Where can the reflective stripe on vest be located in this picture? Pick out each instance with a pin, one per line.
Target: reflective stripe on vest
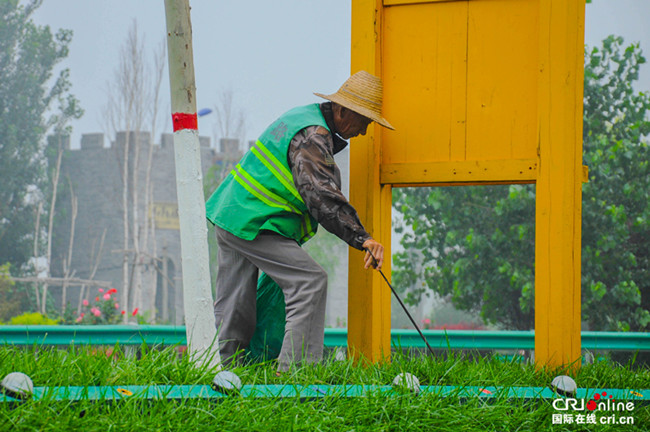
(306, 228)
(260, 192)
(277, 169)
(269, 198)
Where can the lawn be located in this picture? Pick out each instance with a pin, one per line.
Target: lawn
(376, 411)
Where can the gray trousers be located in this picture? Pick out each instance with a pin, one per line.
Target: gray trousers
(303, 282)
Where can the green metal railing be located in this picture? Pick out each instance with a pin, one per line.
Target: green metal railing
(173, 335)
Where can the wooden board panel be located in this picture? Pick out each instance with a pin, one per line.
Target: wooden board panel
(502, 78)
(424, 72)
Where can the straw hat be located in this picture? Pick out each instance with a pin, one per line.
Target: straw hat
(362, 93)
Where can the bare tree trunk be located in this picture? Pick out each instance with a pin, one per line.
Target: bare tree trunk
(93, 271)
(68, 261)
(125, 226)
(37, 235)
(50, 227)
(165, 285)
(61, 281)
(154, 249)
(135, 202)
(149, 225)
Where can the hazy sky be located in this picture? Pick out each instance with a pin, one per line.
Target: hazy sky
(271, 54)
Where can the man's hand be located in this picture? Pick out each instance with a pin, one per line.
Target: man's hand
(377, 250)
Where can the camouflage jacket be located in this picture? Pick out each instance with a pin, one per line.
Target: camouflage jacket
(318, 180)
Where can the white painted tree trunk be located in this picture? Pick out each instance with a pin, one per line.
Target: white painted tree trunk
(197, 293)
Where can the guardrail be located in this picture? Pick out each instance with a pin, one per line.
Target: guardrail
(442, 339)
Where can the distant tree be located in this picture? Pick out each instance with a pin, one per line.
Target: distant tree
(616, 201)
(132, 108)
(476, 244)
(229, 124)
(54, 153)
(472, 244)
(230, 120)
(32, 104)
(11, 299)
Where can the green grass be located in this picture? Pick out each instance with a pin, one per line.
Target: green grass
(85, 366)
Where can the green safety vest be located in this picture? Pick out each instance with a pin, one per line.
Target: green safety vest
(260, 194)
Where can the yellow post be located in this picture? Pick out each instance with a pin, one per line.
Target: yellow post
(480, 92)
(368, 299)
(559, 208)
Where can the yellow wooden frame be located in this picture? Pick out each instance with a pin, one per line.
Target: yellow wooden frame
(480, 92)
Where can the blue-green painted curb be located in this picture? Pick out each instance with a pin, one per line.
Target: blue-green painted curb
(172, 392)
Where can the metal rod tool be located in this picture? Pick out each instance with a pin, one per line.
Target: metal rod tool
(402, 304)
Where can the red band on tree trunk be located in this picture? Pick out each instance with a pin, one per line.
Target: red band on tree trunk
(184, 121)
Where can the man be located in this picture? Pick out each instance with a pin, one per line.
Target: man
(272, 202)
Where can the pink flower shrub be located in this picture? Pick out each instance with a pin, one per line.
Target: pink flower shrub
(104, 310)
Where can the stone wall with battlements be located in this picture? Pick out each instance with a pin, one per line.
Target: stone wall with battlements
(94, 174)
